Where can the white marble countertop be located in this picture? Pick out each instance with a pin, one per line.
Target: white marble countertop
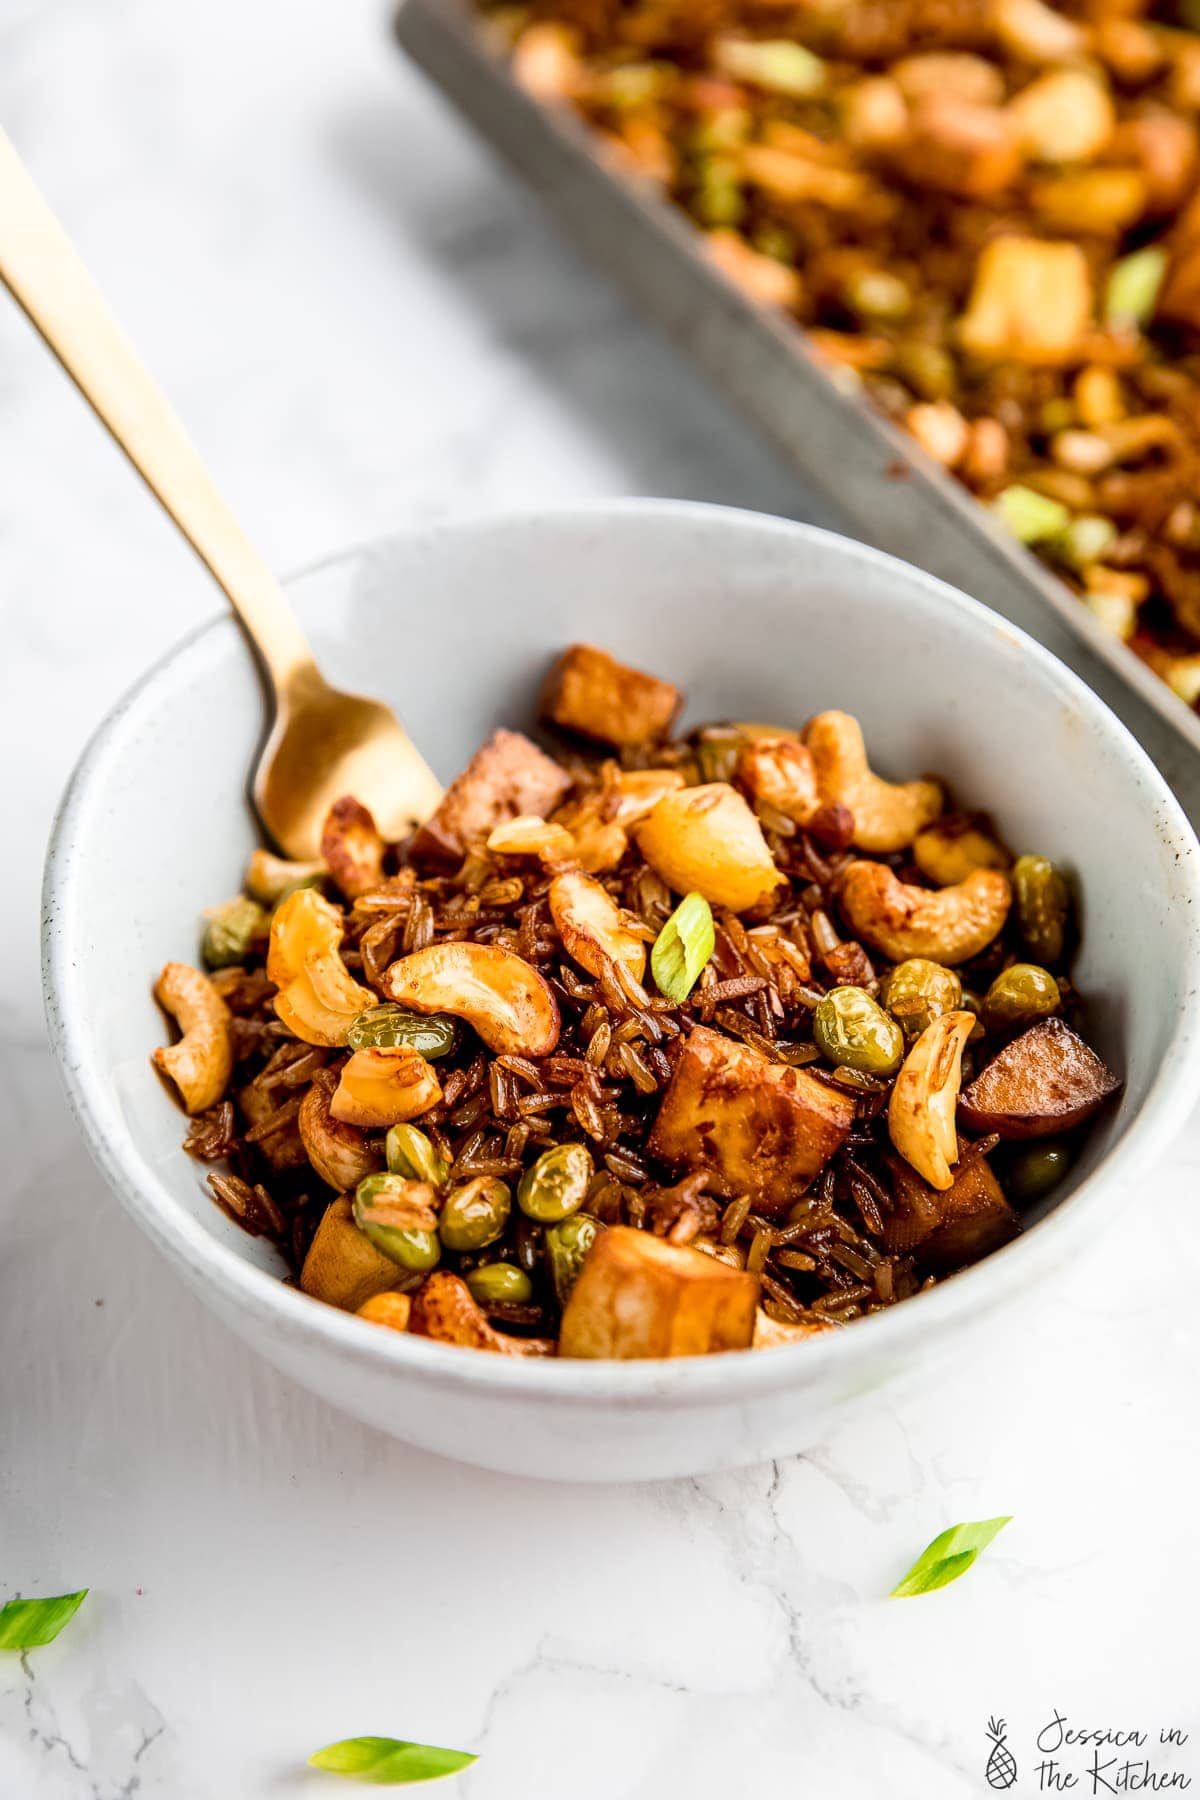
(365, 323)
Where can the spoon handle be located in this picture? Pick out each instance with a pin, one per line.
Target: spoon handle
(48, 280)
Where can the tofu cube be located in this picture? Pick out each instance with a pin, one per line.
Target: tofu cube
(507, 778)
(1030, 300)
(758, 1127)
(590, 692)
(637, 1296)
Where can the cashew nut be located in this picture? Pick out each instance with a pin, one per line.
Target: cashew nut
(200, 1064)
(385, 1087)
(887, 815)
(496, 991)
(529, 835)
(269, 877)
(781, 773)
(393, 1310)
(592, 926)
(445, 1309)
(640, 790)
(705, 840)
(338, 1152)
(599, 843)
(948, 851)
(945, 925)
(353, 848)
(318, 998)
(924, 1096)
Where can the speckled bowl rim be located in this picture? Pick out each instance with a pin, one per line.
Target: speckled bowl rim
(953, 1305)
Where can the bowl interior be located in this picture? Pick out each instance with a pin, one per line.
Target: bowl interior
(755, 618)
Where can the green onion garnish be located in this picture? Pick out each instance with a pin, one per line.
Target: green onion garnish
(949, 1556)
(389, 1762)
(24, 1624)
(682, 948)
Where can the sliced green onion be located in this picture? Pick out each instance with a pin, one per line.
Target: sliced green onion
(389, 1762)
(948, 1556)
(1133, 287)
(1087, 539)
(1030, 516)
(776, 64)
(24, 1624)
(682, 948)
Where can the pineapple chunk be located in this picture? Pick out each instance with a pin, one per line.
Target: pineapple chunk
(1030, 300)
(343, 1267)
(758, 1127)
(637, 1296)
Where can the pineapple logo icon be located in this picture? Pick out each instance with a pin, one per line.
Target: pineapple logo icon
(1001, 1764)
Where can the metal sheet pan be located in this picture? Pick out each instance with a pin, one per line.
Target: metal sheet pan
(886, 490)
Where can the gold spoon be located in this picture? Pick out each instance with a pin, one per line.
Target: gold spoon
(322, 743)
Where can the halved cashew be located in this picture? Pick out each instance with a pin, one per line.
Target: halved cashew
(338, 1152)
(496, 991)
(592, 926)
(706, 840)
(946, 925)
(924, 1096)
(318, 998)
(392, 1310)
(445, 1309)
(599, 843)
(200, 1064)
(530, 835)
(781, 773)
(385, 1087)
(352, 846)
(887, 815)
(343, 1267)
(269, 877)
(950, 850)
(640, 790)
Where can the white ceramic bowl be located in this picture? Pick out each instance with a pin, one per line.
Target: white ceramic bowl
(757, 618)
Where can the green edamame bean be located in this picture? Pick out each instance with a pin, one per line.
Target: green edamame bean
(556, 1185)
(475, 1215)
(567, 1246)
(414, 1155)
(396, 1215)
(917, 992)
(497, 1283)
(1020, 996)
(855, 1033)
(392, 1027)
(1042, 904)
(232, 930)
(1035, 1171)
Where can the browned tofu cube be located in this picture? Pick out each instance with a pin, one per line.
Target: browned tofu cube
(758, 1127)
(637, 1296)
(590, 692)
(960, 147)
(343, 1267)
(949, 1229)
(506, 778)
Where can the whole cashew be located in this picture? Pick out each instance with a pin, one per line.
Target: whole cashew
(201, 1063)
(887, 815)
(318, 998)
(946, 925)
(352, 847)
(924, 1096)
